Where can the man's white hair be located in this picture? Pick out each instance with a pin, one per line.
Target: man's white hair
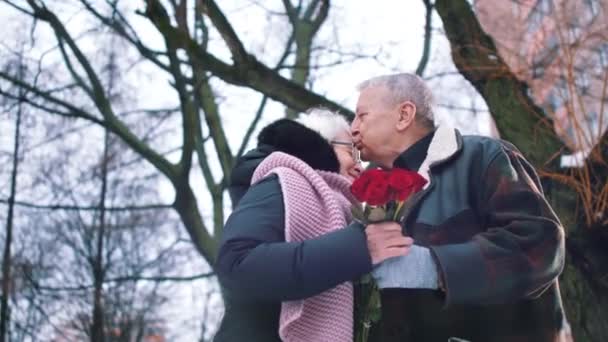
(325, 122)
(406, 87)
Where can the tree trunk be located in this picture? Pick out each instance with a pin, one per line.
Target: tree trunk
(584, 282)
(7, 257)
(97, 328)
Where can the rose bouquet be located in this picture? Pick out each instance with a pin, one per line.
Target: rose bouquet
(384, 194)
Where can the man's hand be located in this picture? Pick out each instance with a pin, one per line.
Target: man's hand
(385, 240)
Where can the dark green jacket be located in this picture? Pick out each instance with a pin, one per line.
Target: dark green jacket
(498, 245)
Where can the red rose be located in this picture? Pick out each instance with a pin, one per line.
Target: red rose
(378, 191)
(404, 183)
(372, 187)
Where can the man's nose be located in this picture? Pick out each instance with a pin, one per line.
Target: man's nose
(354, 130)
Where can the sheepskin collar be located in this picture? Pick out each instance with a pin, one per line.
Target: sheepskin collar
(445, 143)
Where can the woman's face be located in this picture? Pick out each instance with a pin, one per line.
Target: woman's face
(349, 167)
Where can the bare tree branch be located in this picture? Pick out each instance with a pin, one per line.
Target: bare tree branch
(7, 256)
(252, 74)
(304, 31)
(17, 7)
(72, 110)
(127, 279)
(46, 109)
(262, 106)
(163, 278)
(321, 16)
(79, 81)
(426, 50)
(206, 101)
(42, 13)
(98, 264)
(86, 208)
(99, 98)
(292, 14)
(121, 26)
(239, 54)
(251, 128)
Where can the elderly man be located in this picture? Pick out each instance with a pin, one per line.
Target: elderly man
(488, 247)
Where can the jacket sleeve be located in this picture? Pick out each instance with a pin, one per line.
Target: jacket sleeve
(255, 262)
(521, 250)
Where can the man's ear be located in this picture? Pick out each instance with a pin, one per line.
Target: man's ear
(407, 115)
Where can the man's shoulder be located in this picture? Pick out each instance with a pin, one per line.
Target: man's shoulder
(487, 145)
(481, 144)
(479, 139)
(480, 151)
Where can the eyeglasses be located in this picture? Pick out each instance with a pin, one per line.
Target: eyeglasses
(356, 154)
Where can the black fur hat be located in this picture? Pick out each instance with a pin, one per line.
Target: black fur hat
(301, 142)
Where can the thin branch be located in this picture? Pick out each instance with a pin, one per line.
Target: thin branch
(151, 111)
(239, 54)
(181, 15)
(19, 8)
(251, 128)
(188, 111)
(128, 279)
(292, 14)
(203, 162)
(32, 89)
(163, 278)
(199, 20)
(79, 81)
(140, 158)
(304, 30)
(463, 108)
(310, 10)
(442, 74)
(99, 97)
(86, 208)
(206, 101)
(262, 105)
(8, 241)
(120, 26)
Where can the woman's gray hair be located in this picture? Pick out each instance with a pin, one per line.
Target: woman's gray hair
(325, 122)
(406, 87)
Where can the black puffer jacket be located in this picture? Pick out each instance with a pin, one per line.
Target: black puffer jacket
(256, 267)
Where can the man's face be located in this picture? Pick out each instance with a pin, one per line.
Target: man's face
(375, 124)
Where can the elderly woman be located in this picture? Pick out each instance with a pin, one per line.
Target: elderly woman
(288, 253)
